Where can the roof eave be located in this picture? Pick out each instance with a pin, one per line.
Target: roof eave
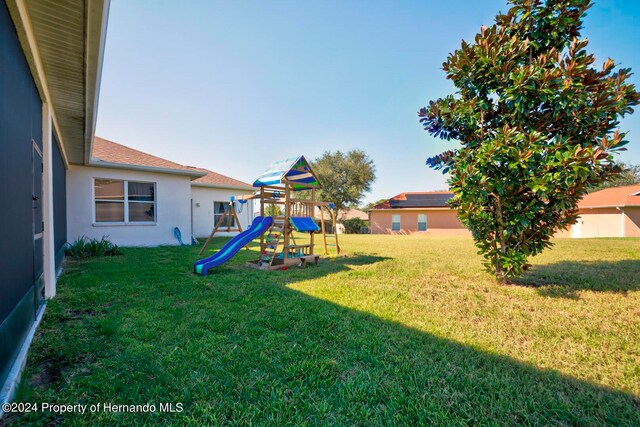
(110, 165)
(609, 206)
(431, 208)
(226, 187)
(97, 22)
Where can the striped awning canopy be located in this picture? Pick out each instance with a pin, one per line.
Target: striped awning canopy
(296, 171)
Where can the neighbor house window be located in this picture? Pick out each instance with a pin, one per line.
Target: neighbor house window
(219, 208)
(395, 222)
(422, 222)
(125, 201)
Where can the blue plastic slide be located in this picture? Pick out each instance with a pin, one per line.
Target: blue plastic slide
(258, 227)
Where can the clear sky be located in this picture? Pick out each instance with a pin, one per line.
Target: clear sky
(235, 85)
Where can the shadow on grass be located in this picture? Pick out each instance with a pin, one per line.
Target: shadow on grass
(565, 279)
(242, 347)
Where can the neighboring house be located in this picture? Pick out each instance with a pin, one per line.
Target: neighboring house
(612, 212)
(421, 212)
(132, 197)
(50, 65)
(137, 199)
(350, 214)
(210, 197)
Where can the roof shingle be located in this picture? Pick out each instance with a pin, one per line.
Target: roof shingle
(628, 195)
(214, 178)
(112, 152)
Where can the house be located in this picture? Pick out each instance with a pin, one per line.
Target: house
(132, 197)
(418, 212)
(612, 212)
(137, 199)
(210, 197)
(50, 66)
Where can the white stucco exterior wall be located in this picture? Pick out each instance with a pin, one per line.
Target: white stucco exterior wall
(202, 200)
(173, 193)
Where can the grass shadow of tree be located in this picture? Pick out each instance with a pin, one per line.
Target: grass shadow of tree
(565, 279)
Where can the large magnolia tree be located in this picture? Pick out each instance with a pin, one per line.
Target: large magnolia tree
(537, 124)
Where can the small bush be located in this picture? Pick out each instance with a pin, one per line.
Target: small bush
(355, 226)
(84, 247)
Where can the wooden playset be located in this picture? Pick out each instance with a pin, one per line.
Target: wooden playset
(279, 186)
(287, 198)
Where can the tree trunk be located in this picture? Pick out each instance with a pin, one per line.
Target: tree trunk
(500, 273)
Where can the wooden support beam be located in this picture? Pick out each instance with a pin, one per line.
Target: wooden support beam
(313, 198)
(324, 232)
(227, 214)
(310, 202)
(287, 214)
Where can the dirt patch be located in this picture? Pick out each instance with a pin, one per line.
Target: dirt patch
(48, 372)
(77, 315)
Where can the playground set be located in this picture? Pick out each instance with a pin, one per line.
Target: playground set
(279, 250)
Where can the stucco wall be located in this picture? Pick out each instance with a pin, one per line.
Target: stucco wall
(605, 222)
(439, 222)
(632, 222)
(202, 202)
(173, 193)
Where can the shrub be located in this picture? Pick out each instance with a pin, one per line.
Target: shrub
(355, 226)
(84, 247)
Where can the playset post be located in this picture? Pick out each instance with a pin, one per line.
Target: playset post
(231, 216)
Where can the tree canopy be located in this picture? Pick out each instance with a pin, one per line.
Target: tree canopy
(537, 124)
(345, 177)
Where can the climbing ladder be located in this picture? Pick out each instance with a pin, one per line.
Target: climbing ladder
(269, 247)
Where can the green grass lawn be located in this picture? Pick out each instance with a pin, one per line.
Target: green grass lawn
(407, 330)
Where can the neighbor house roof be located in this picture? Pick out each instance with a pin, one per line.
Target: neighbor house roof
(425, 199)
(215, 179)
(628, 195)
(352, 214)
(111, 154)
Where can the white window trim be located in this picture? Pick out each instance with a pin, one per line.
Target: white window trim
(426, 222)
(215, 221)
(126, 202)
(399, 222)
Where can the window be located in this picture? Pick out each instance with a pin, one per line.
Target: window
(125, 201)
(422, 222)
(219, 208)
(395, 222)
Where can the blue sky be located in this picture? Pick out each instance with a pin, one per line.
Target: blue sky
(235, 85)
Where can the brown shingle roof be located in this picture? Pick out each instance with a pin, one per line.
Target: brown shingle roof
(112, 152)
(617, 196)
(352, 214)
(214, 178)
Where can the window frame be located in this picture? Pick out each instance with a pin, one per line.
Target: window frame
(399, 222)
(426, 222)
(126, 202)
(215, 221)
